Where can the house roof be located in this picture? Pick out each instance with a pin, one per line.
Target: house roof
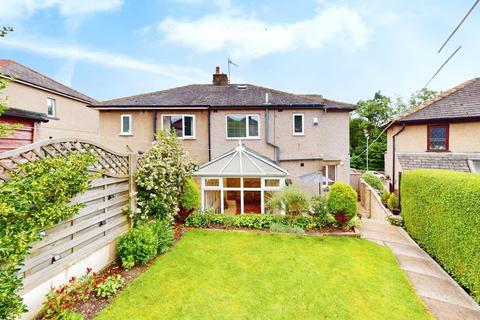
(240, 161)
(459, 103)
(24, 114)
(213, 96)
(21, 73)
(432, 160)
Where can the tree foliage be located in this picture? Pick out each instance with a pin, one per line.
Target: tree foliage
(34, 199)
(368, 120)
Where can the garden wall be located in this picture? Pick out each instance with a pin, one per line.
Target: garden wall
(85, 240)
(371, 202)
(441, 210)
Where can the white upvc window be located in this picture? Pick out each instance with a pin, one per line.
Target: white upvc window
(329, 172)
(243, 126)
(298, 124)
(51, 107)
(182, 125)
(126, 124)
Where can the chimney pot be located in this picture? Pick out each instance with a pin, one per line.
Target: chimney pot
(220, 79)
(217, 70)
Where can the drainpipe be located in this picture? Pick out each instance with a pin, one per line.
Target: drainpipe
(267, 137)
(154, 125)
(393, 158)
(209, 139)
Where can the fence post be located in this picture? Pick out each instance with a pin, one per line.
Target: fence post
(132, 170)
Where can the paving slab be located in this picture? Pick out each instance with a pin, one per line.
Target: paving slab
(440, 293)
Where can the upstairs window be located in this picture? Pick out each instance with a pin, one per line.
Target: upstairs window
(437, 138)
(126, 124)
(298, 124)
(243, 126)
(182, 125)
(51, 107)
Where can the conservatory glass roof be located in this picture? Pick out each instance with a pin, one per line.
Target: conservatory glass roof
(240, 161)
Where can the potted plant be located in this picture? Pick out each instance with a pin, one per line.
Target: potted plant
(342, 202)
(392, 203)
(384, 197)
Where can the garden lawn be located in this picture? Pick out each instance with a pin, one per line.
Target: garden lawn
(244, 275)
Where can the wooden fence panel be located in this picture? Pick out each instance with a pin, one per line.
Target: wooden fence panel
(101, 221)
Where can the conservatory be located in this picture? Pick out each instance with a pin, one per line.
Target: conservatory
(240, 181)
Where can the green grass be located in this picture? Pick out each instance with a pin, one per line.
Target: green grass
(240, 275)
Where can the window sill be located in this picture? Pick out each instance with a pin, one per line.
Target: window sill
(126, 134)
(53, 117)
(249, 138)
(299, 134)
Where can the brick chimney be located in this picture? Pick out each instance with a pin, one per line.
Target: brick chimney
(220, 79)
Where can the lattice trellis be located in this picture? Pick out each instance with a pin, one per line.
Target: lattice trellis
(108, 162)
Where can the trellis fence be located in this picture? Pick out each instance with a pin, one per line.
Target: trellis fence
(87, 239)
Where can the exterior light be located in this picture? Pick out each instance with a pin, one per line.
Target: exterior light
(102, 223)
(56, 257)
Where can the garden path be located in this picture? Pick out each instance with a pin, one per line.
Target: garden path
(442, 295)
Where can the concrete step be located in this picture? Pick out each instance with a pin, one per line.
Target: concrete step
(384, 236)
(421, 265)
(407, 250)
(447, 311)
(442, 290)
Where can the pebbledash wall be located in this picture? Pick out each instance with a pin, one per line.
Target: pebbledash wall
(87, 240)
(325, 143)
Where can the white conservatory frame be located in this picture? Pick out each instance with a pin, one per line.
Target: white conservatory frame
(240, 163)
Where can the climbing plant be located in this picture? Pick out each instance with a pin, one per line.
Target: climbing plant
(35, 198)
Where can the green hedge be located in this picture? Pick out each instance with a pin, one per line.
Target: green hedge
(441, 210)
(254, 221)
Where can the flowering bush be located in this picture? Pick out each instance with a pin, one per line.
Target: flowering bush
(160, 179)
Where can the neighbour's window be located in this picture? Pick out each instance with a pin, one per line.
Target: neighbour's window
(182, 125)
(298, 124)
(438, 138)
(272, 182)
(329, 173)
(243, 126)
(51, 107)
(126, 124)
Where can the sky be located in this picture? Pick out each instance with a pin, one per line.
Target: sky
(344, 50)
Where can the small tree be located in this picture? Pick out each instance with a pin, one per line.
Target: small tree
(164, 168)
(342, 202)
(190, 200)
(290, 199)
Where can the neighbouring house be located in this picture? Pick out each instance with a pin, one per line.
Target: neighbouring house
(442, 133)
(249, 140)
(26, 133)
(66, 108)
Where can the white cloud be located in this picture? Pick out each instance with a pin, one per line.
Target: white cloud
(75, 53)
(248, 38)
(15, 9)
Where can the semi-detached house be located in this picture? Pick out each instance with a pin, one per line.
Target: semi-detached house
(249, 140)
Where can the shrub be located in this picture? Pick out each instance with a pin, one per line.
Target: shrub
(290, 199)
(281, 228)
(254, 221)
(384, 196)
(163, 232)
(109, 286)
(137, 246)
(396, 221)
(191, 196)
(342, 202)
(392, 201)
(35, 198)
(320, 210)
(374, 182)
(441, 212)
(163, 169)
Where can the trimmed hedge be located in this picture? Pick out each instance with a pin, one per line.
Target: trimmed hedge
(254, 221)
(342, 199)
(441, 210)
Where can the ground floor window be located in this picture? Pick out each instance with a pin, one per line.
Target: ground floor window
(329, 173)
(238, 195)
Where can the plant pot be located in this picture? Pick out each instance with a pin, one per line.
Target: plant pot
(395, 212)
(341, 218)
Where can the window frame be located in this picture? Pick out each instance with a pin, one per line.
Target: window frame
(54, 108)
(447, 137)
(194, 123)
(247, 133)
(303, 124)
(122, 131)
